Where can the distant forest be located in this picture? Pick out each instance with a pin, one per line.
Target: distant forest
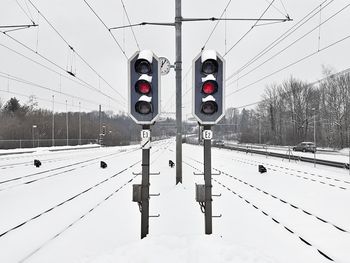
(288, 111)
(17, 120)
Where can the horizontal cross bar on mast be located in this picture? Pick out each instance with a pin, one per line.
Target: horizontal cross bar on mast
(17, 26)
(287, 18)
(143, 24)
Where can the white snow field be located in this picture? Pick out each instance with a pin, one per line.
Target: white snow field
(71, 210)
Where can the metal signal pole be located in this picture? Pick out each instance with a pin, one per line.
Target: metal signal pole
(79, 123)
(53, 120)
(178, 77)
(208, 186)
(145, 189)
(67, 121)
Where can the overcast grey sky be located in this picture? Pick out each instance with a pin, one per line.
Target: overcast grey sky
(86, 34)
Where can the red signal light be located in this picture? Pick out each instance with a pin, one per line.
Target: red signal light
(143, 87)
(209, 87)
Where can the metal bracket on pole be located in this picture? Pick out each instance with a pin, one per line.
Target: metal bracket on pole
(217, 216)
(136, 173)
(154, 194)
(219, 173)
(216, 195)
(155, 215)
(157, 173)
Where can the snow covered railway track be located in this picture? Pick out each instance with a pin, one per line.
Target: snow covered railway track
(299, 174)
(69, 168)
(30, 163)
(270, 214)
(107, 197)
(66, 201)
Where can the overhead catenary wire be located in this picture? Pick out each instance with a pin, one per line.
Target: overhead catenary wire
(245, 34)
(109, 30)
(43, 99)
(70, 78)
(290, 65)
(278, 10)
(61, 68)
(26, 14)
(216, 24)
(292, 44)
(279, 39)
(20, 80)
(168, 105)
(77, 53)
(132, 30)
(345, 71)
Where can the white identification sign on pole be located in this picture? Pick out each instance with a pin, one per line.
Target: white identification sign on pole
(207, 135)
(145, 139)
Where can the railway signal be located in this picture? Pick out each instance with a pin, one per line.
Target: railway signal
(208, 108)
(144, 108)
(144, 87)
(208, 87)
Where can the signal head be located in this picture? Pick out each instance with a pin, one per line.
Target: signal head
(144, 106)
(209, 62)
(209, 106)
(143, 85)
(210, 85)
(144, 61)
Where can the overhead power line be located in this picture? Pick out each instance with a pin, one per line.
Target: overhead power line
(212, 31)
(109, 31)
(132, 30)
(278, 10)
(282, 37)
(27, 82)
(77, 53)
(45, 100)
(61, 68)
(25, 13)
(290, 65)
(345, 71)
(290, 45)
(46, 67)
(234, 45)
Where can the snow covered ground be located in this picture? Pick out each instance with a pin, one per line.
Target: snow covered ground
(71, 210)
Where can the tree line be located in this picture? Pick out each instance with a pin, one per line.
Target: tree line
(295, 111)
(21, 122)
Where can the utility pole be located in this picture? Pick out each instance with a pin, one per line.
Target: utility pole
(79, 123)
(178, 77)
(53, 120)
(99, 125)
(67, 120)
(259, 129)
(33, 134)
(314, 136)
